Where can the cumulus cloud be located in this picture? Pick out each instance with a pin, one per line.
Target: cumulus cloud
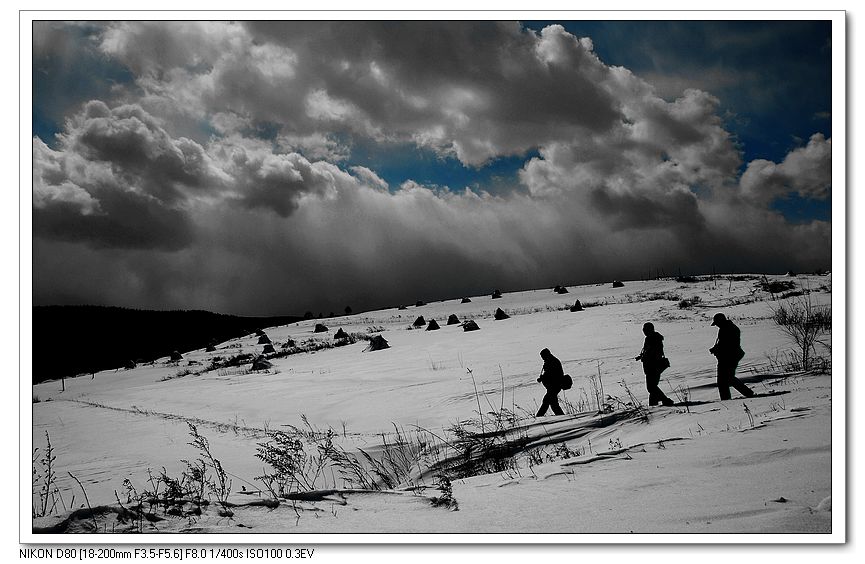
(806, 171)
(514, 90)
(222, 177)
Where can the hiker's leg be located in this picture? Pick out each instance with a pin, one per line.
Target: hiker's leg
(656, 395)
(738, 384)
(544, 405)
(723, 381)
(651, 385)
(741, 387)
(554, 403)
(653, 380)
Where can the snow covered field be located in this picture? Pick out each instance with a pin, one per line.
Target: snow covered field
(761, 465)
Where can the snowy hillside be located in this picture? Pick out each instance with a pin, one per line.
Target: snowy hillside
(611, 464)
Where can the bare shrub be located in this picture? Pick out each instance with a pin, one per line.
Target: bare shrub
(804, 323)
(775, 286)
(301, 459)
(220, 484)
(293, 470)
(631, 407)
(46, 495)
(689, 302)
(179, 374)
(446, 499)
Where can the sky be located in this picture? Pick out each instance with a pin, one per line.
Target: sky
(273, 168)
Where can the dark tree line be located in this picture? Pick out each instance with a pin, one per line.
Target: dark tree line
(70, 340)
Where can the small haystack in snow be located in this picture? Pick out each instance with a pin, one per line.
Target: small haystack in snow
(288, 344)
(320, 328)
(432, 325)
(341, 334)
(470, 326)
(497, 294)
(453, 319)
(466, 301)
(577, 306)
(402, 308)
(129, 365)
(210, 348)
(377, 343)
(501, 314)
(176, 356)
(419, 322)
(261, 363)
(618, 284)
(561, 290)
(419, 304)
(268, 348)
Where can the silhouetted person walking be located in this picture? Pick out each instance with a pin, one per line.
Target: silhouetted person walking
(728, 351)
(551, 377)
(652, 356)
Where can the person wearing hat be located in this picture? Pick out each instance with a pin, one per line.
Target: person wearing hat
(551, 377)
(728, 351)
(652, 356)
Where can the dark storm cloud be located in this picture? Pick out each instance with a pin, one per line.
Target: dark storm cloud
(272, 181)
(221, 178)
(139, 149)
(78, 200)
(677, 211)
(125, 221)
(118, 179)
(474, 89)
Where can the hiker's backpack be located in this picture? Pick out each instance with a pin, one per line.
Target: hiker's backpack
(567, 382)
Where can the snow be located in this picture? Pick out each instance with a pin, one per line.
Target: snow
(705, 467)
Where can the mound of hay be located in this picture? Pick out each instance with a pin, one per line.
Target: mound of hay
(577, 306)
(419, 322)
(341, 334)
(263, 340)
(470, 326)
(288, 344)
(210, 348)
(402, 307)
(501, 315)
(320, 328)
(377, 343)
(419, 303)
(618, 284)
(176, 356)
(497, 294)
(432, 325)
(261, 363)
(129, 365)
(453, 320)
(466, 301)
(268, 348)
(561, 290)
